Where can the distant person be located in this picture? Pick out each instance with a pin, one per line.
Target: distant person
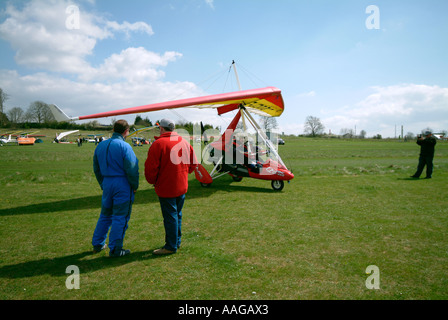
(116, 169)
(170, 159)
(427, 145)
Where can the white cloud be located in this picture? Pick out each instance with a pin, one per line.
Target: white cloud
(404, 101)
(414, 106)
(82, 98)
(126, 27)
(132, 64)
(128, 78)
(42, 40)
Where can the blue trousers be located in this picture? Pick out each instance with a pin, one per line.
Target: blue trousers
(172, 221)
(116, 219)
(116, 207)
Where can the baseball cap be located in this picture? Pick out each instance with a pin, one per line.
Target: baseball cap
(167, 123)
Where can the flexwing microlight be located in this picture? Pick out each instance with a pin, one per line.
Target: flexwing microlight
(265, 101)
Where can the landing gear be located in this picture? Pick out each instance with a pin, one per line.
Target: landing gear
(277, 185)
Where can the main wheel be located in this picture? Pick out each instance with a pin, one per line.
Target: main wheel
(237, 179)
(205, 185)
(277, 185)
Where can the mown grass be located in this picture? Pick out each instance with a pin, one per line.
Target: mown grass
(350, 205)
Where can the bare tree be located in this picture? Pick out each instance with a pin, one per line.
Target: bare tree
(313, 126)
(268, 123)
(3, 98)
(15, 115)
(39, 112)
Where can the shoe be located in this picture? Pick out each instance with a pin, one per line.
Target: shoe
(162, 251)
(119, 252)
(99, 248)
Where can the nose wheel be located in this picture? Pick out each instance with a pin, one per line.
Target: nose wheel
(277, 185)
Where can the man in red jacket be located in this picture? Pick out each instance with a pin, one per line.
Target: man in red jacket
(170, 159)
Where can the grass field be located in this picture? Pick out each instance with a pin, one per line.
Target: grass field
(350, 205)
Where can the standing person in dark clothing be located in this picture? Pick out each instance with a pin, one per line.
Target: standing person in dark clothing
(427, 145)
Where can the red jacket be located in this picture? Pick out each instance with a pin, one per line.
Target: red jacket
(170, 159)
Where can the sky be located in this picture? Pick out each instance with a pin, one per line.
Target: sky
(373, 65)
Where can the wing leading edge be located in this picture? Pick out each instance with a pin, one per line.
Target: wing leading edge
(266, 101)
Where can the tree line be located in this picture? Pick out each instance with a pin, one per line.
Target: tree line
(38, 116)
(314, 127)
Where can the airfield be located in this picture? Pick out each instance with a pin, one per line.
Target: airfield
(351, 205)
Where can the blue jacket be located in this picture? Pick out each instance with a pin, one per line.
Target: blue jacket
(115, 158)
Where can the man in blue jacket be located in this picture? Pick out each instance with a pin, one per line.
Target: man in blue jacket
(116, 169)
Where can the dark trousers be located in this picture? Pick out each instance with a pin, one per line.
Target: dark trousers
(422, 161)
(172, 221)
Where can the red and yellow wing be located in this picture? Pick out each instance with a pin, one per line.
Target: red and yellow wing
(266, 101)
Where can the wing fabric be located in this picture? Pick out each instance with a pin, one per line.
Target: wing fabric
(225, 140)
(64, 134)
(140, 131)
(266, 101)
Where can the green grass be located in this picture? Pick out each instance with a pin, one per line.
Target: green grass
(350, 205)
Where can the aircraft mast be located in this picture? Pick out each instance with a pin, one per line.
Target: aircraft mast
(239, 86)
(236, 74)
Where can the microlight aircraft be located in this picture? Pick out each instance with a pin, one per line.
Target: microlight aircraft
(139, 141)
(264, 101)
(4, 140)
(26, 139)
(139, 131)
(59, 137)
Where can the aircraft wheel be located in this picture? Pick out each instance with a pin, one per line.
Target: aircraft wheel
(205, 185)
(277, 185)
(237, 179)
